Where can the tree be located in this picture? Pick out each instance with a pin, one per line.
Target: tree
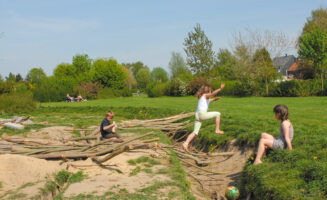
(109, 73)
(135, 67)
(265, 69)
(198, 48)
(19, 78)
(11, 77)
(318, 19)
(82, 62)
(313, 48)
(159, 75)
(178, 66)
(130, 79)
(143, 77)
(35, 76)
(224, 66)
(65, 70)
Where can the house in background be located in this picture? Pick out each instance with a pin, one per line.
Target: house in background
(283, 63)
(300, 70)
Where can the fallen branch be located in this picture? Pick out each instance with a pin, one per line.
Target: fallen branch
(121, 150)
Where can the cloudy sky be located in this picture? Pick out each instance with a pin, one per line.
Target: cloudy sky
(44, 33)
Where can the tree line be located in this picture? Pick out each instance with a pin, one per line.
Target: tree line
(247, 68)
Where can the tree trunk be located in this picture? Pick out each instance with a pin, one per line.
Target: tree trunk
(267, 89)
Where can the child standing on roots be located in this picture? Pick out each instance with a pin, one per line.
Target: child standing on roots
(204, 94)
(286, 134)
(108, 128)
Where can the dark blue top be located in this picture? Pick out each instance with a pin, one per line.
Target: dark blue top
(104, 123)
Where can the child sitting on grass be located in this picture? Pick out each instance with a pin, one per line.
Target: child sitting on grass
(108, 128)
(286, 133)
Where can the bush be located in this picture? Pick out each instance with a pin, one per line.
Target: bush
(123, 93)
(54, 89)
(88, 90)
(14, 102)
(196, 83)
(106, 93)
(156, 89)
(177, 88)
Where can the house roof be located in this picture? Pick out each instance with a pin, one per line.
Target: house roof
(295, 65)
(283, 63)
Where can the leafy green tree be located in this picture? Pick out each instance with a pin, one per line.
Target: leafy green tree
(159, 75)
(65, 70)
(178, 66)
(313, 48)
(265, 69)
(135, 67)
(109, 73)
(224, 65)
(82, 62)
(143, 77)
(11, 77)
(35, 76)
(198, 48)
(318, 19)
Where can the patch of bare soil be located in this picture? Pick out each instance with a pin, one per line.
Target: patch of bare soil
(214, 185)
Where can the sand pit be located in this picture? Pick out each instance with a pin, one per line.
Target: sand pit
(16, 170)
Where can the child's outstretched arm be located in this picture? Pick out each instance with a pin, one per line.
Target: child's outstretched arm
(214, 93)
(286, 130)
(215, 99)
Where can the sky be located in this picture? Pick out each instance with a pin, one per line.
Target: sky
(45, 33)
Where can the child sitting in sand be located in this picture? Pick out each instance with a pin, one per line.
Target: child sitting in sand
(108, 128)
(286, 134)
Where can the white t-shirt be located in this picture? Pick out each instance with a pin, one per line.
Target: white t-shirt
(203, 104)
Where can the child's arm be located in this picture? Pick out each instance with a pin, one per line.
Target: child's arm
(215, 99)
(109, 126)
(214, 93)
(286, 130)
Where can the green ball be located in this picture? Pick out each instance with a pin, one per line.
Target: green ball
(232, 193)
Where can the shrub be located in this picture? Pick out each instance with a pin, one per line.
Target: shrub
(290, 88)
(123, 93)
(196, 83)
(54, 89)
(156, 89)
(89, 90)
(176, 87)
(106, 93)
(17, 102)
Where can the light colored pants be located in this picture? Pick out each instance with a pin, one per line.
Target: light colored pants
(201, 116)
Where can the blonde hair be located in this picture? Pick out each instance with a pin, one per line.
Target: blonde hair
(110, 114)
(203, 89)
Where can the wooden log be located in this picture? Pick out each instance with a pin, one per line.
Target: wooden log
(83, 138)
(122, 144)
(191, 175)
(23, 140)
(121, 150)
(67, 156)
(151, 140)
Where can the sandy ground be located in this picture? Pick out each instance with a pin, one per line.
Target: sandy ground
(21, 174)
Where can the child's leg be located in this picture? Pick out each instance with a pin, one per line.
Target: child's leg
(210, 115)
(267, 136)
(261, 149)
(197, 126)
(218, 131)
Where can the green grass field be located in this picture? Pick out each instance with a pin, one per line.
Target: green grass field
(297, 174)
